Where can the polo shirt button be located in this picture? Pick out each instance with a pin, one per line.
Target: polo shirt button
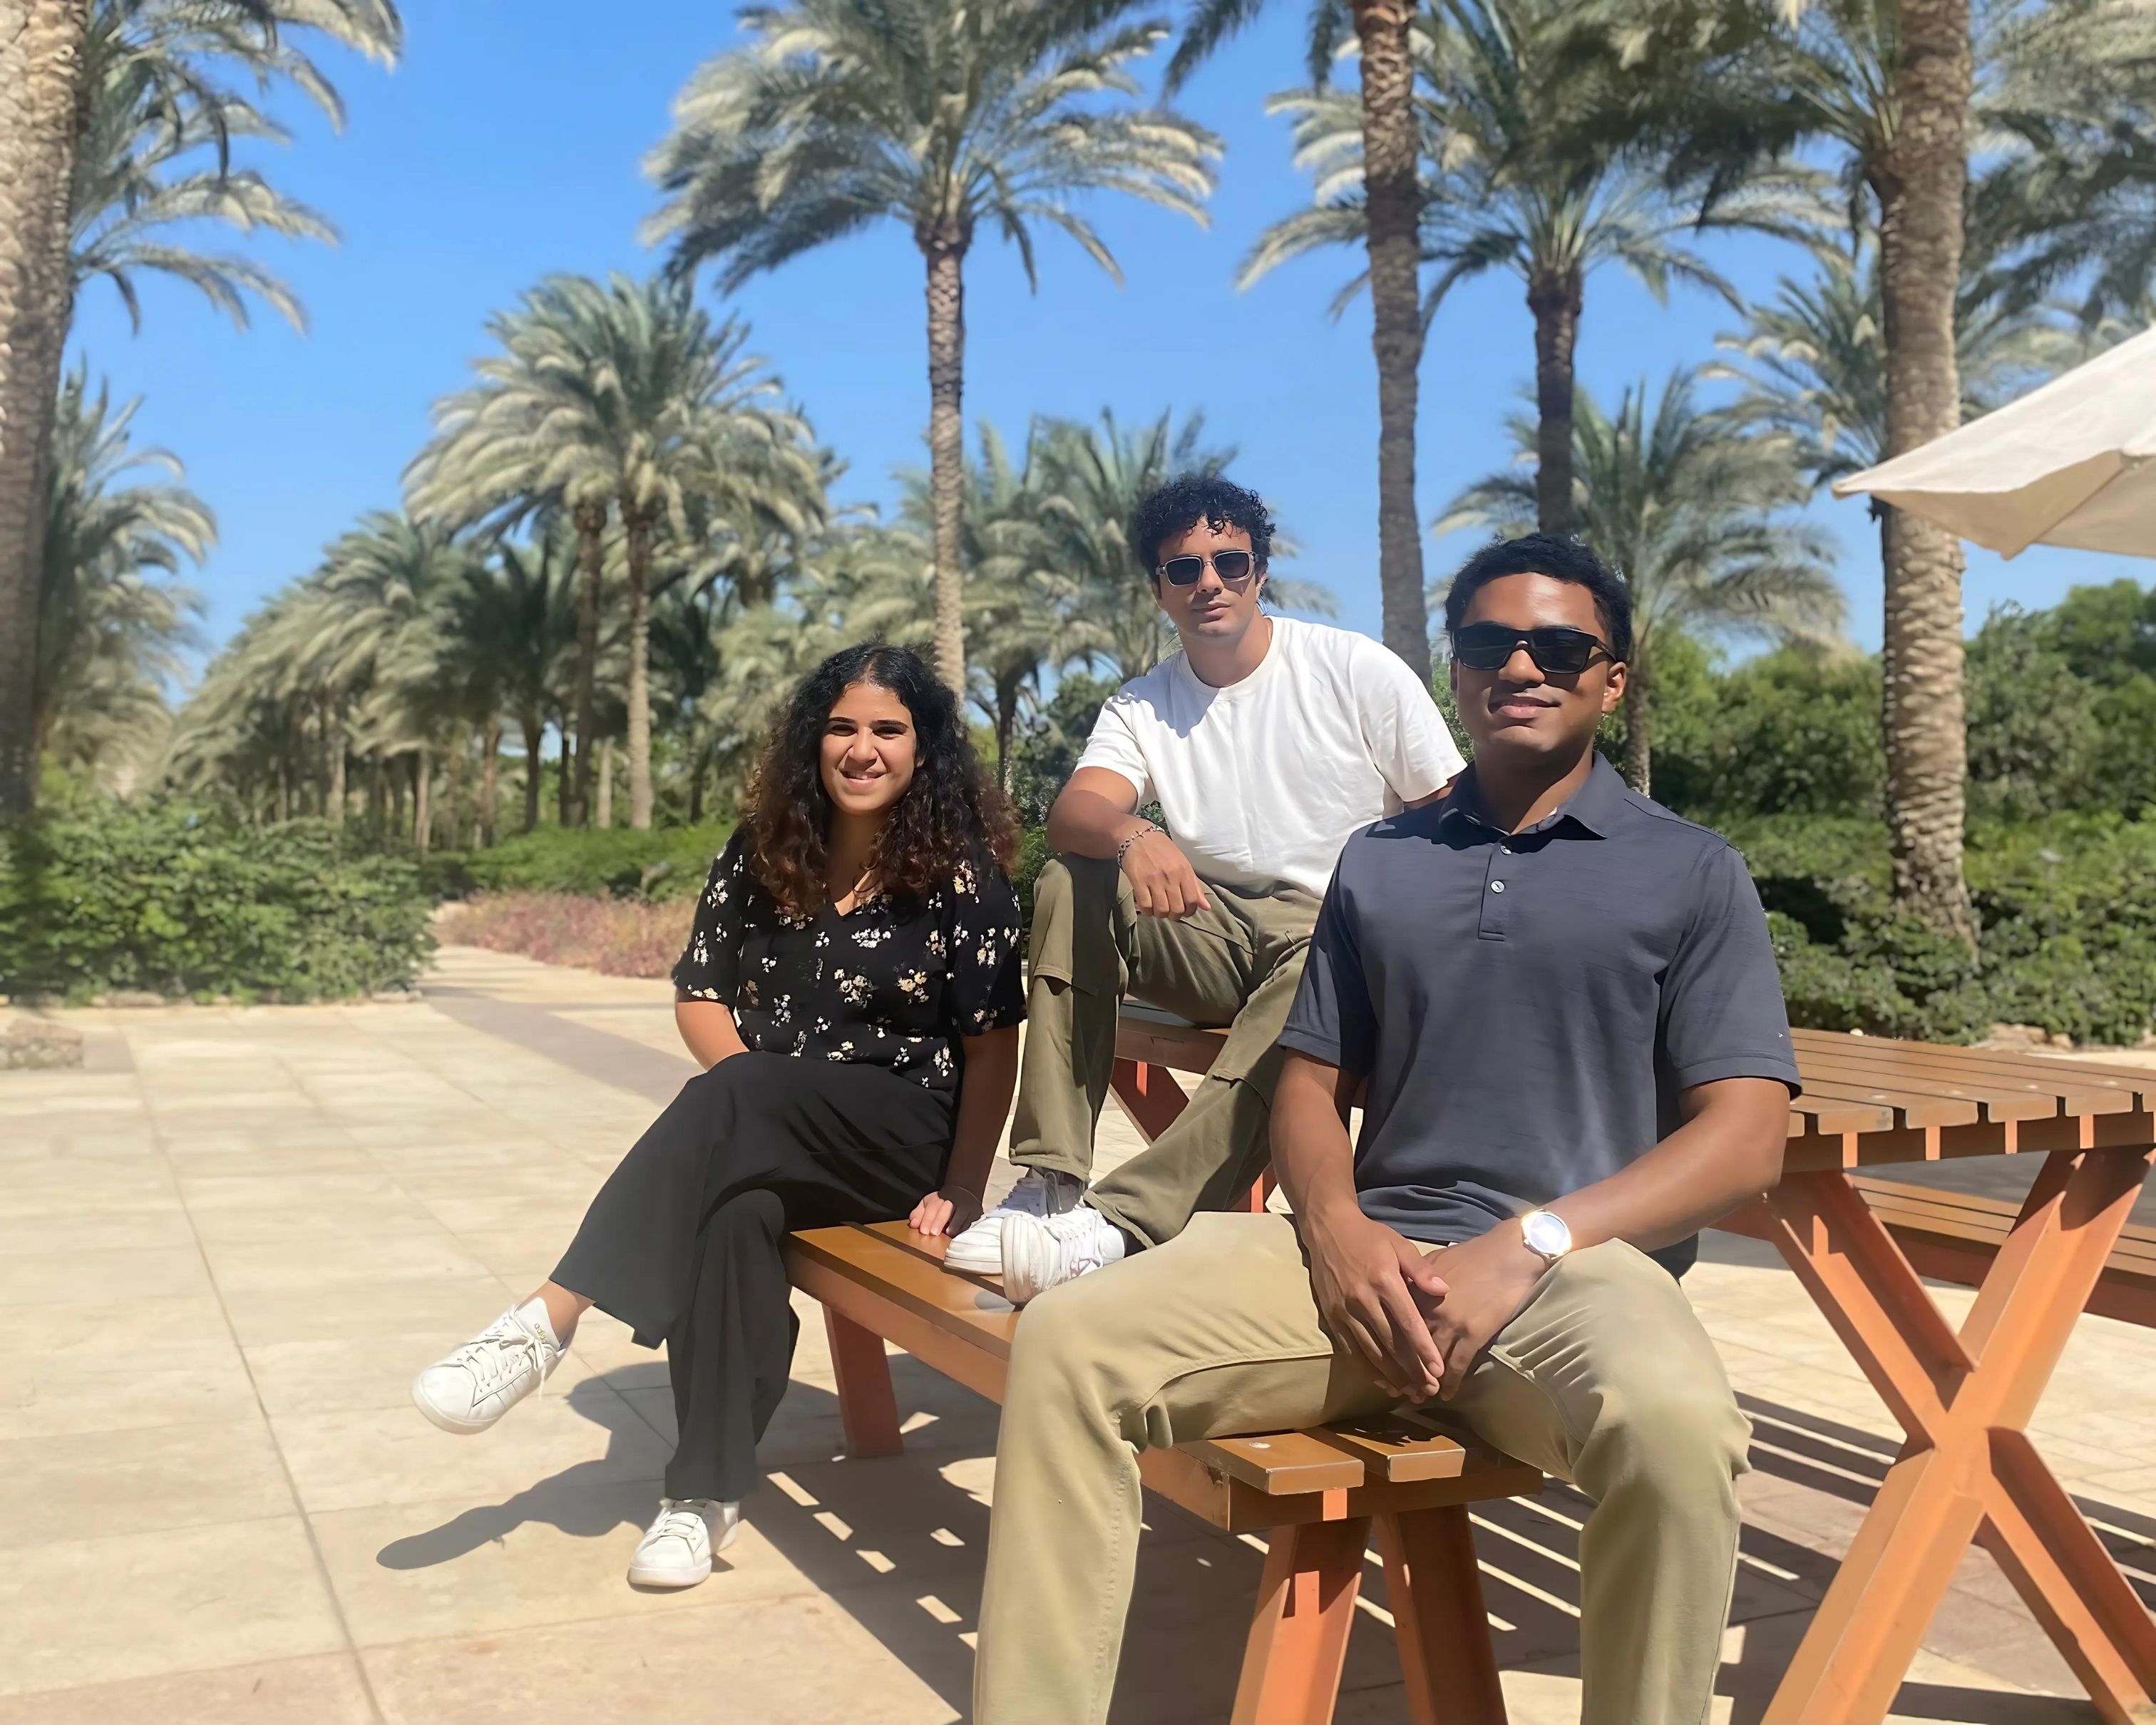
(1497, 887)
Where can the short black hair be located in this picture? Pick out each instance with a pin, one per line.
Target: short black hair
(1190, 498)
(1560, 557)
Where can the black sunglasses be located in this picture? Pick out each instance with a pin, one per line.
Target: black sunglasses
(1556, 649)
(1228, 565)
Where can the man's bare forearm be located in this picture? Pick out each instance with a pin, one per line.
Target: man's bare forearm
(1728, 1151)
(1312, 1155)
(1084, 823)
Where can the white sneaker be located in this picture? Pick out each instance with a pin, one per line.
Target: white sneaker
(1043, 1252)
(1040, 1191)
(676, 1549)
(467, 1391)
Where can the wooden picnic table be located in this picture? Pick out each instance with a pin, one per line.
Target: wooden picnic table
(1964, 1396)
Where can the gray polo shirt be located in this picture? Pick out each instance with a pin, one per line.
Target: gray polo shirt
(1528, 1006)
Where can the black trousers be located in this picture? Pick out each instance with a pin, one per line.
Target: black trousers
(684, 1242)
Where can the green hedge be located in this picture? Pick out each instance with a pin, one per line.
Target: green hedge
(619, 862)
(97, 896)
(2068, 909)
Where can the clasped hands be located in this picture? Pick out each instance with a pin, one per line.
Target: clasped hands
(1417, 1320)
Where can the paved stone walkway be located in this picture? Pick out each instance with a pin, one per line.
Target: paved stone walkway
(227, 1243)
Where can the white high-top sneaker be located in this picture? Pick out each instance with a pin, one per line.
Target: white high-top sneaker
(676, 1549)
(1040, 1191)
(1043, 1252)
(467, 1391)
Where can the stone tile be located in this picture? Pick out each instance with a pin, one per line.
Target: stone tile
(364, 1222)
(46, 1278)
(800, 1659)
(307, 1264)
(118, 1383)
(209, 1194)
(555, 1553)
(452, 1308)
(326, 1688)
(163, 1227)
(359, 1457)
(144, 1604)
(90, 1484)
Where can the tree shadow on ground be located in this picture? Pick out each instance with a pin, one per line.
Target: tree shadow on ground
(898, 1543)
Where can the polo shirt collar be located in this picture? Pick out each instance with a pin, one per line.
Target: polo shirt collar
(1595, 807)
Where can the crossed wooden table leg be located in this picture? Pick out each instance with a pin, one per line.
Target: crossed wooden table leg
(1968, 1470)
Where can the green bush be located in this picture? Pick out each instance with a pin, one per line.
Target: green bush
(620, 862)
(2068, 910)
(97, 896)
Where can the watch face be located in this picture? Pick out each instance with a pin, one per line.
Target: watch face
(1547, 1234)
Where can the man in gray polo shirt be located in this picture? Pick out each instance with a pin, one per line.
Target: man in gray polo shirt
(1563, 1004)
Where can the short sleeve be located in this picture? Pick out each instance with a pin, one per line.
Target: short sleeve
(1406, 735)
(709, 968)
(987, 991)
(1332, 1020)
(1722, 1010)
(1114, 745)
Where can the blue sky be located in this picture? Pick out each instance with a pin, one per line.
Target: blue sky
(509, 143)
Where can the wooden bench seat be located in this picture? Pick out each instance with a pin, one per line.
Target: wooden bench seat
(1318, 1494)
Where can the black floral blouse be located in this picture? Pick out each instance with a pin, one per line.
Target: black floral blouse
(892, 983)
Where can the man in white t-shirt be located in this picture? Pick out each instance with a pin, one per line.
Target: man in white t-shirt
(1266, 741)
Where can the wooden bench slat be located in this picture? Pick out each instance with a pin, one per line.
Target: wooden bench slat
(1281, 1463)
(2062, 1075)
(1393, 1451)
(1997, 1102)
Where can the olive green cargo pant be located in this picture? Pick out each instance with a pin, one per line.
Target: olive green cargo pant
(1605, 1378)
(1234, 963)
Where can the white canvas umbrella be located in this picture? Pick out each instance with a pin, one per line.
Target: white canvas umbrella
(2072, 464)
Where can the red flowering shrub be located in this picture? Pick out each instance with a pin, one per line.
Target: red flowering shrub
(619, 937)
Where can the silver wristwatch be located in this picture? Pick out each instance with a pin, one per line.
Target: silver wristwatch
(1545, 1235)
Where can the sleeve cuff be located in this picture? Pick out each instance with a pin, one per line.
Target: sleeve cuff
(1754, 1066)
(1319, 1047)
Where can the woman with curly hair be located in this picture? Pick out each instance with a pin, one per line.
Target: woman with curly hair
(851, 986)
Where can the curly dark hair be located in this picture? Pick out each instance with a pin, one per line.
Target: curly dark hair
(951, 815)
(1190, 498)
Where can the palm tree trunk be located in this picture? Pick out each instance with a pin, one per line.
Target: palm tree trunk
(1555, 301)
(565, 796)
(1920, 187)
(602, 789)
(422, 803)
(1006, 723)
(333, 730)
(699, 771)
(377, 792)
(453, 775)
(1639, 739)
(41, 51)
(637, 531)
(534, 736)
(490, 777)
(397, 777)
(946, 252)
(1393, 202)
(591, 528)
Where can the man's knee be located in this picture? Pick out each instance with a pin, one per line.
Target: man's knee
(1680, 1437)
(1074, 1347)
(1074, 904)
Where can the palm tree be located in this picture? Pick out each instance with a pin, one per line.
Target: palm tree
(108, 635)
(1096, 476)
(943, 115)
(1813, 360)
(69, 202)
(524, 612)
(1897, 89)
(619, 396)
(1517, 176)
(1392, 197)
(1692, 512)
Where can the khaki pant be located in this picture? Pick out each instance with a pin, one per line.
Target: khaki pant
(1235, 964)
(1605, 1378)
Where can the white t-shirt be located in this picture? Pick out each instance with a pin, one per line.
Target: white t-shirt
(1264, 780)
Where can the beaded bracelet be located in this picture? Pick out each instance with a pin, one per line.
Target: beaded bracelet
(1123, 849)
